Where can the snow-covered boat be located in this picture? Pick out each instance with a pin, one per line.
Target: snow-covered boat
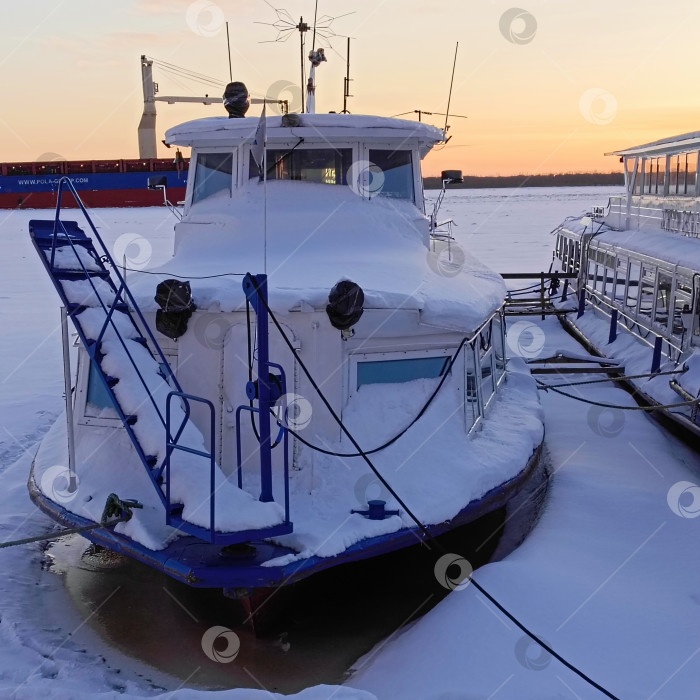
(330, 384)
(637, 262)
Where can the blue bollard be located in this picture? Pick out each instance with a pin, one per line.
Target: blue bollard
(613, 327)
(656, 357)
(376, 510)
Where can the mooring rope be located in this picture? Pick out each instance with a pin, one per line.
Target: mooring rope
(113, 507)
(410, 513)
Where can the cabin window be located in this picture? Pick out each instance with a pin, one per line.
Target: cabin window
(655, 178)
(639, 182)
(326, 166)
(99, 403)
(397, 167)
(401, 370)
(213, 174)
(675, 176)
(691, 172)
(683, 174)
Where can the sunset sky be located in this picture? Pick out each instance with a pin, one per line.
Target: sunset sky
(547, 85)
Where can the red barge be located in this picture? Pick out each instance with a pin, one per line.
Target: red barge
(100, 183)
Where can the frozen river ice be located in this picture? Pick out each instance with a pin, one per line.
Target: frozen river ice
(608, 577)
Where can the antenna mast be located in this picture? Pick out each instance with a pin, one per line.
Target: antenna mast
(228, 44)
(346, 82)
(449, 97)
(285, 25)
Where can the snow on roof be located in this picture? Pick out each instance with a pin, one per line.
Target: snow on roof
(222, 131)
(316, 235)
(674, 248)
(671, 144)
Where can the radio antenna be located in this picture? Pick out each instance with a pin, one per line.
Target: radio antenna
(285, 26)
(346, 82)
(449, 97)
(228, 44)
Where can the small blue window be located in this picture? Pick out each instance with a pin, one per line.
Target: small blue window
(395, 371)
(98, 397)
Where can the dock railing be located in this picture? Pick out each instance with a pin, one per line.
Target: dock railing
(537, 298)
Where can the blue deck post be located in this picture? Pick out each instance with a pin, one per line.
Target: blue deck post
(581, 302)
(255, 288)
(565, 291)
(613, 327)
(656, 357)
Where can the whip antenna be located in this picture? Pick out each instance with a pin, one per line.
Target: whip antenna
(228, 44)
(449, 97)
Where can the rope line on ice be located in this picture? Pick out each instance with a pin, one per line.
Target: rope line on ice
(413, 517)
(114, 506)
(655, 407)
(621, 378)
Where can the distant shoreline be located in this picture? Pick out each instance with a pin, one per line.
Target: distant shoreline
(550, 180)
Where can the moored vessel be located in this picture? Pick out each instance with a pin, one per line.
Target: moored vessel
(637, 262)
(316, 377)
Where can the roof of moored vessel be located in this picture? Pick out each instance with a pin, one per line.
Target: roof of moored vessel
(672, 144)
(222, 131)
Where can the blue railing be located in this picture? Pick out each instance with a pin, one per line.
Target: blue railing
(58, 233)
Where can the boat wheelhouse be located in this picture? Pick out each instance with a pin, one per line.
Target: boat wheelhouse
(638, 265)
(323, 370)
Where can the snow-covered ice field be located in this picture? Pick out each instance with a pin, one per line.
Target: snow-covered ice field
(609, 577)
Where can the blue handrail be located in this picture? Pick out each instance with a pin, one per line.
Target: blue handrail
(124, 302)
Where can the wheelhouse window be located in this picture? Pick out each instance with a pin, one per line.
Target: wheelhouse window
(213, 174)
(326, 166)
(402, 370)
(397, 167)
